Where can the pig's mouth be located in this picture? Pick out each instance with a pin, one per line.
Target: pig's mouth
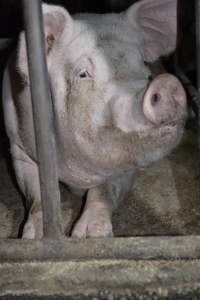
(177, 118)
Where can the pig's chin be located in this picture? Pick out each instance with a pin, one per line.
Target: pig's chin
(173, 133)
(158, 143)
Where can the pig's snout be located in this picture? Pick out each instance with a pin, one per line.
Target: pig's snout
(164, 101)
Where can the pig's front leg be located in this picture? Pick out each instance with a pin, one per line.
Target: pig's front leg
(96, 217)
(28, 179)
(95, 220)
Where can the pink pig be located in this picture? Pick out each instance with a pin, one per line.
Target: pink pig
(110, 119)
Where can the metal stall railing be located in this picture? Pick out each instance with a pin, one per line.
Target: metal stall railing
(153, 251)
(43, 118)
(197, 9)
(192, 91)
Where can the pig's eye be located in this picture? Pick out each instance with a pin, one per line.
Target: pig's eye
(84, 75)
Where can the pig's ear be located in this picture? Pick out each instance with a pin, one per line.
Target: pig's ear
(57, 22)
(156, 20)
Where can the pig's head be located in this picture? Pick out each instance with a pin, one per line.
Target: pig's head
(107, 109)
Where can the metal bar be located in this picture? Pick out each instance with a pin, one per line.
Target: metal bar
(189, 87)
(42, 114)
(136, 248)
(198, 59)
(198, 42)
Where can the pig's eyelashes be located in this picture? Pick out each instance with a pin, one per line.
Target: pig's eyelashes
(85, 75)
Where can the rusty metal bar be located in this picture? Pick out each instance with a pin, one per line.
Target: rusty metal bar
(136, 248)
(43, 118)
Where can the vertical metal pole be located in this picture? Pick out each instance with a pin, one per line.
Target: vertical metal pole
(197, 9)
(43, 118)
(198, 42)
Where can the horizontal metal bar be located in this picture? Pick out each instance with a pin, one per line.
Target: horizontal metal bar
(43, 118)
(137, 248)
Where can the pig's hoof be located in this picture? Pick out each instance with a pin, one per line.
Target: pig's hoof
(33, 228)
(93, 224)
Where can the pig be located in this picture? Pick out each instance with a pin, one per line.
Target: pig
(111, 118)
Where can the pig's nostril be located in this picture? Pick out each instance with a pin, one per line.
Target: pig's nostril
(155, 99)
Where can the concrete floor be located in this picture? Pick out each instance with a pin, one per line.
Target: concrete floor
(165, 200)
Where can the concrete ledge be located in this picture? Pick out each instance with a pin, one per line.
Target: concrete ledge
(104, 279)
(107, 268)
(135, 248)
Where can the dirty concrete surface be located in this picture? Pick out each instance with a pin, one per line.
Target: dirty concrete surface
(165, 199)
(58, 280)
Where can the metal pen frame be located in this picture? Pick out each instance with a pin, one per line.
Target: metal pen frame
(55, 245)
(57, 267)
